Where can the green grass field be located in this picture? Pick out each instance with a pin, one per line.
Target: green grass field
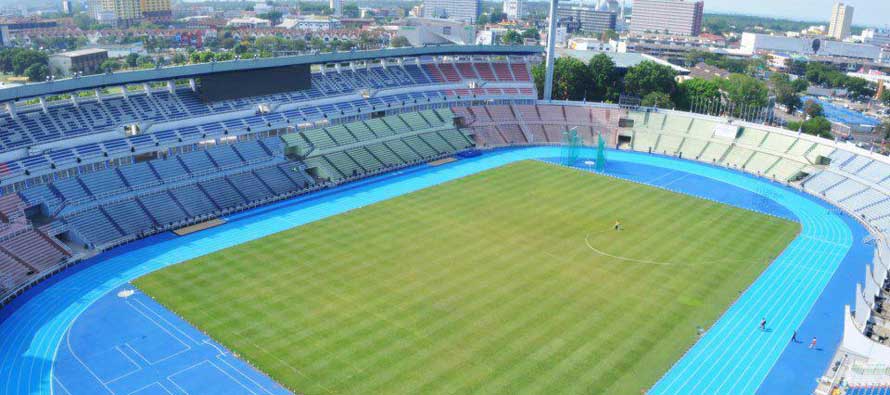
(510, 281)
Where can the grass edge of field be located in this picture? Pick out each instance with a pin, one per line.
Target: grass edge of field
(794, 235)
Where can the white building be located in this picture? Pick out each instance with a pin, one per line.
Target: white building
(753, 43)
(879, 37)
(591, 44)
(426, 31)
(841, 20)
(336, 6)
(677, 17)
(249, 22)
(515, 9)
(466, 11)
(311, 22)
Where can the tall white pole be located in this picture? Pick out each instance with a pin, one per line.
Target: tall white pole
(551, 52)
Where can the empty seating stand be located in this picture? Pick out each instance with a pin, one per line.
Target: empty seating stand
(35, 250)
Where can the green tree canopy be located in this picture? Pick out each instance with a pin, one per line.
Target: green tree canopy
(696, 90)
(786, 92)
(657, 99)
(511, 37)
(37, 72)
(818, 126)
(744, 91)
(813, 109)
(351, 11)
(399, 41)
(110, 65)
(648, 77)
(571, 80)
(603, 78)
(23, 59)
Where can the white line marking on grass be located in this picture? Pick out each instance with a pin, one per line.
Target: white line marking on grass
(291, 367)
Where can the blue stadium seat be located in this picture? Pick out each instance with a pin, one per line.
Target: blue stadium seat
(222, 193)
(250, 186)
(163, 208)
(194, 200)
(129, 216)
(138, 174)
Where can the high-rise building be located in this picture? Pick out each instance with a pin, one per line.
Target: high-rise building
(667, 17)
(586, 19)
(156, 10)
(460, 10)
(515, 9)
(336, 6)
(841, 20)
(66, 7)
(119, 13)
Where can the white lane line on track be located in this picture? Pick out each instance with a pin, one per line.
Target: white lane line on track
(40, 331)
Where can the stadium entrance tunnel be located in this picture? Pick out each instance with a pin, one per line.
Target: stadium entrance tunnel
(36, 326)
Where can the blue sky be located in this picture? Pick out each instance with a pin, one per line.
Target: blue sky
(867, 12)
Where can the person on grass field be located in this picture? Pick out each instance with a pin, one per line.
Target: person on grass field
(617, 225)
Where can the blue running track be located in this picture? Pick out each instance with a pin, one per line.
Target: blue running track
(732, 358)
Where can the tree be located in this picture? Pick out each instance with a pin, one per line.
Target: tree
(497, 16)
(82, 20)
(272, 16)
(603, 78)
(179, 58)
(885, 97)
(648, 77)
(813, 109)
(657, 99)
(885, 127)
(110, 65)
(696, 90)
(399, 41)
(818, 126)
(571, 79)
(744, 92)
(37, 72)
(609, 34)
(785, 91)
(511, 37)
(25, 58)
(132, 59)
(317, 43)
(351, 11)
(531, 33)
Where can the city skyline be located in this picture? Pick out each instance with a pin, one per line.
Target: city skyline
(868, 12)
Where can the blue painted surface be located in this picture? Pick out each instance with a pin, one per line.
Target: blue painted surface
(799, 366)
(730, 358)
(844, 115)
(126, 345)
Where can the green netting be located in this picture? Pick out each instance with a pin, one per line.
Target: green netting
(601, 154)
(571, 146)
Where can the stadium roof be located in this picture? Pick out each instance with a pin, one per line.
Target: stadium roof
(197, 70)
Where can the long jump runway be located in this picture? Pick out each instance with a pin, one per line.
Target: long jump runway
(732, 357)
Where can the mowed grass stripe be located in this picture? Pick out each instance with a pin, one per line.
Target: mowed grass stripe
(481, 285)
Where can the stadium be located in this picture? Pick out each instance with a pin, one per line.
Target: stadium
(415, 220)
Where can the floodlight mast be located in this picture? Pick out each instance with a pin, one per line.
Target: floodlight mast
(551, 52)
